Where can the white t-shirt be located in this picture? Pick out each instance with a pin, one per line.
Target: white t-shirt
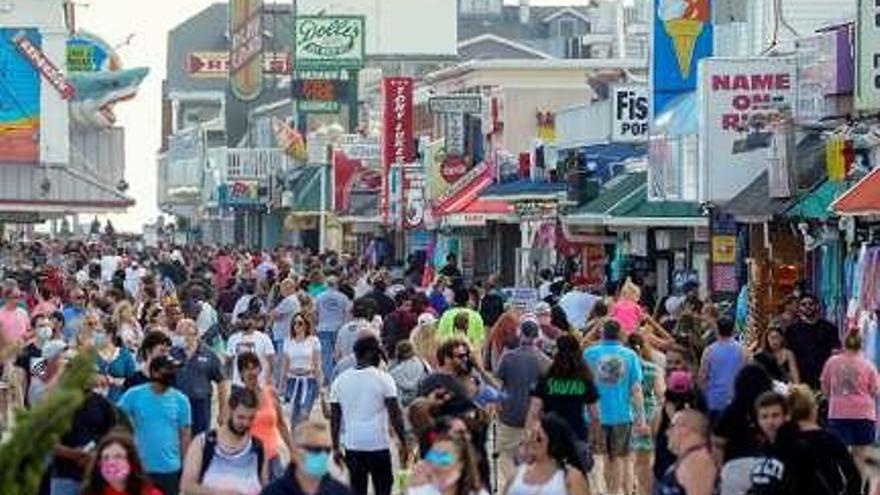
(361, 394)
(109, 264)
(257, 342)
(301, 355)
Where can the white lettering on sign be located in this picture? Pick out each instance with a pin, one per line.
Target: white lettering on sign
(629, 114)
(247, 42)
(47, 69)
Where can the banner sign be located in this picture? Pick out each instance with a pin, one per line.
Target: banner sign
(350, 178)
(88, 53)
(682, 36)
(19, 123)
(398, 130)
(521, 298)
(629, 114)
(329, 42)
(742, 101)
(867, 89)
(50, 72)
(414, 203)
(359, 147)
(209, 65)
(246, 48)
(456, 104)
(825, 67)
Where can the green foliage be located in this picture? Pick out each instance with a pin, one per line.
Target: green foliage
(38, 430)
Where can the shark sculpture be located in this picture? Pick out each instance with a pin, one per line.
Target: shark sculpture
(98, 92)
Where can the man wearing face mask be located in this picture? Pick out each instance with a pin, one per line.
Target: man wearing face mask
(34, 349)
(362, 400)
(200, 367)
(228, 460)
(309, 468)
(161, 418)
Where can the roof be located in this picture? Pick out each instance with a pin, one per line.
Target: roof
(817, 203)
(493, 38)
(525, 189)
(508, 24)
(862, 199)
(624, 202)
(754, 203)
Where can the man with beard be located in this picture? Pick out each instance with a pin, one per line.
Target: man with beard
(812, 339)
(228, 460)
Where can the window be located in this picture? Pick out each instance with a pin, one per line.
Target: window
(567, 28)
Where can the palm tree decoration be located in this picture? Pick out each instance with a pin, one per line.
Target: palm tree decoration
(38, 430)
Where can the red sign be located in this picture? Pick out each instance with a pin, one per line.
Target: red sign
(47, 69)
(216, 64)
(453, 168)
(350, 175)
(398, 131)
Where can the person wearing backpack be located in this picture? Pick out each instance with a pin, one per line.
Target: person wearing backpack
(228, 460)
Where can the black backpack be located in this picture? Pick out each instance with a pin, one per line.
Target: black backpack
(210, 448)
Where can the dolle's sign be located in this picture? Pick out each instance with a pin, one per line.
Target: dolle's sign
(324, 42)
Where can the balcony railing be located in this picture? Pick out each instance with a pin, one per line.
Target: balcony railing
(248, 163)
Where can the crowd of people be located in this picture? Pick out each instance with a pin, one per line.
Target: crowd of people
(283, 372)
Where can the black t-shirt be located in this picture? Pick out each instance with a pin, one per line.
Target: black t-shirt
(459, 401)
(24, 360)
(94, 418)
(134, 380)
(812, 344)
(831, 472)
(740, 433)
(567, 397)
(287, 485)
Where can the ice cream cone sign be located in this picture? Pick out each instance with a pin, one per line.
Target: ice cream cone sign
(684, 21)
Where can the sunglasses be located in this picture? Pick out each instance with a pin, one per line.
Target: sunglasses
(299, 322)
(440, 458)
(316, 449)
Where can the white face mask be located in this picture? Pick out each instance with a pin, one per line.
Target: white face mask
(44, 333)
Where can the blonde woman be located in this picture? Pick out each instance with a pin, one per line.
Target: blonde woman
(127, 326)
(424, 339)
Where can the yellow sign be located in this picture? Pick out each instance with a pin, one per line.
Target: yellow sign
(724, 249)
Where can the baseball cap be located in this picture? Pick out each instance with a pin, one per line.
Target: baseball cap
(163, 362)
(680, 382)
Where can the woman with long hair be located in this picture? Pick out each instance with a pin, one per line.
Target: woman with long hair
(424, 339)
(736, 436)
(301, 367)
(115, 362)
(116, 469)
(776, 358)
(653, 388)
(565, 390)
(127, 326)
(553, 465)
(449, 467)
(504, 335)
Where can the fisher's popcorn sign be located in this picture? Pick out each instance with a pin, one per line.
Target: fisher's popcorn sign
(328, 42)
(742, 103)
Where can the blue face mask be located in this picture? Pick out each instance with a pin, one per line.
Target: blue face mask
(100, 339)
(316, 464)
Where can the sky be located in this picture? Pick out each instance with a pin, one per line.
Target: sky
(149, 22)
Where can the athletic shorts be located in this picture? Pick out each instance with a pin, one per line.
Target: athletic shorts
(614, 440)
(509, 439)
(853, 432)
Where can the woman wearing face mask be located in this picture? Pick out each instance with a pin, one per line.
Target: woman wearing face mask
(449, 468)
(115, 362)
(553, 466)
(117, 469)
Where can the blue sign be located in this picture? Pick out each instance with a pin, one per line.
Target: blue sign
(683, 34)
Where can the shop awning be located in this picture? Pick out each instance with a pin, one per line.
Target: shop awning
(303, 190)
(862, 199)
(817, 203)
(478, 212)
(624, 203)
(524, 190)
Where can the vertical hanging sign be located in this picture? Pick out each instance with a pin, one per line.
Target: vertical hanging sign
(397, 93)
(246, 48)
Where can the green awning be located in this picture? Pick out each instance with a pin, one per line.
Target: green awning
(624, 202)
(304, 185)
(815, 204)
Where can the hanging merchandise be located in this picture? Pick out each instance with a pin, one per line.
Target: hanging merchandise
(839, 157)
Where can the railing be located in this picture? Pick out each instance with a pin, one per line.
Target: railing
(249, 163)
